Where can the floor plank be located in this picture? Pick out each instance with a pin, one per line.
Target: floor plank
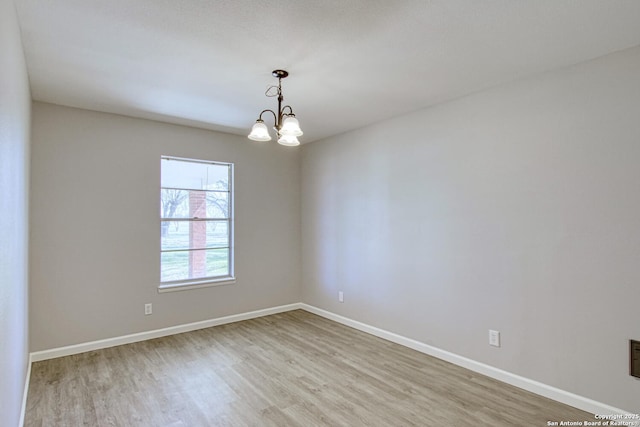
(289, 369)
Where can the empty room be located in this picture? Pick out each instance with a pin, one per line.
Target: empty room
(319, 213)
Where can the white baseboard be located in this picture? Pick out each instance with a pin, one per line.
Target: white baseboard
(157, 333)
(25, 393)
(536, 387)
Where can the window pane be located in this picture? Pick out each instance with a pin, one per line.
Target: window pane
(217, 204)
(194, 234)
(217, 262)
(194, 264)
(174, 203)
(192, 203)
(193, 175)
(174, 266)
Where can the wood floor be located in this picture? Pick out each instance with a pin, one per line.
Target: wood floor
(289, 369)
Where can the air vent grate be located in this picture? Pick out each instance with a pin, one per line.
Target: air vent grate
(635, 358)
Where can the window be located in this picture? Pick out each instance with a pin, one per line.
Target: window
(196, 223)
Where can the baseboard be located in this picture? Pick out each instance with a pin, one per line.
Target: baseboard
(157, 333)
(536, 387)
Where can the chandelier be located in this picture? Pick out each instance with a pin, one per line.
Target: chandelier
(286, 125)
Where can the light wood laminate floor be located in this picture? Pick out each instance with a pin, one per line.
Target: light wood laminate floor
(289, 369)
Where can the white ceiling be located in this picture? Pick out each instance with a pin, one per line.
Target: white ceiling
(207, 63)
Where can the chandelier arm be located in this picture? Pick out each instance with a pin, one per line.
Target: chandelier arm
(290, 111)
(272, 112)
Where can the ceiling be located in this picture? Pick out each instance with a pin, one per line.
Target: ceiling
(207, 63)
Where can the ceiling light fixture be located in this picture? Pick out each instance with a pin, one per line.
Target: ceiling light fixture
(286, 125)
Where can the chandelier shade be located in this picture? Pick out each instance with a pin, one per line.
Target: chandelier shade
(288, 140)
(290, 126)
(259, 132)
(286, 125)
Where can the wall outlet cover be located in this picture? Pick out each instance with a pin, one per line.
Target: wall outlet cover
(494, 338)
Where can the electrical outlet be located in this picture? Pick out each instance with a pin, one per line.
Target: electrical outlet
(340, 296)
(148, 309)
(494, 338)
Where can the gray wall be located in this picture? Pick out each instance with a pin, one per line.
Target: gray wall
(95, 229)
(15, 104)
(516, 209)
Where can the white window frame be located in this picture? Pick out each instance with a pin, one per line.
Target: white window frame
(180, 285)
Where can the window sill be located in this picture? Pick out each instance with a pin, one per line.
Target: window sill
(196, 284)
